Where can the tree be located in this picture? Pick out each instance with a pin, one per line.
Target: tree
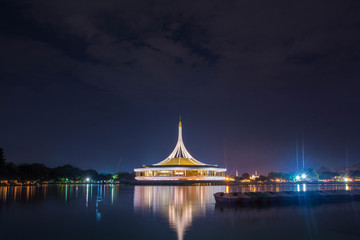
(354, 173)
(275, 175)
(35, 171)
(2, 162)
(10, 171)
(280, 175)
(312, 173)
(245, 176)
(262, 178)
(123, 176)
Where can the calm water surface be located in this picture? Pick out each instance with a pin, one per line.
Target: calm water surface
(167, 212)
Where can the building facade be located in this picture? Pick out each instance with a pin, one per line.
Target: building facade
(180, 165)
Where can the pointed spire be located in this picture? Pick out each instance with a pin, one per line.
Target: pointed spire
(180, 153)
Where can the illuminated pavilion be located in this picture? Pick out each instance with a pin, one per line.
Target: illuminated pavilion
(180, 165)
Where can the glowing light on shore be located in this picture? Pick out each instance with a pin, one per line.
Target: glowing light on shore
(346, 179)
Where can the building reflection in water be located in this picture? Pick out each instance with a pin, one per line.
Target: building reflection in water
(179, 204)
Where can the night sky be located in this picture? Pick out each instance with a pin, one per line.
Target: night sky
(101, 84)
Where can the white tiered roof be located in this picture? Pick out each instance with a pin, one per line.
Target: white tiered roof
(180, 155)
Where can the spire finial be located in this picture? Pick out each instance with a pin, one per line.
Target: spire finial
(179, 120)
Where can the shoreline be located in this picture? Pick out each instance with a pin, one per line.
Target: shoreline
(184, 183)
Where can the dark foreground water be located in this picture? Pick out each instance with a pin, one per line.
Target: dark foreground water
(167, 212)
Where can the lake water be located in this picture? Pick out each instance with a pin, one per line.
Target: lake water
(167, 212)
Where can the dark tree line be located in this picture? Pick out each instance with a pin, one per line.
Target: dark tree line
(322, 173)
(40, 172)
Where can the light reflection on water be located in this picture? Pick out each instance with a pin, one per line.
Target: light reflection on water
(182, 204)
(179, 204)
(185, 211)
(203, 194)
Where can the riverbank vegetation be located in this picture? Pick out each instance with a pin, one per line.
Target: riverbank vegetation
(24, 173)
(351, 174)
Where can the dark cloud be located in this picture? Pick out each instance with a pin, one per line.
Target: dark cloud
(261, 70)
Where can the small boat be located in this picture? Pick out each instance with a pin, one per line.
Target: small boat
(261, 197)
(232, 198)
(270, 197)
(285, 197)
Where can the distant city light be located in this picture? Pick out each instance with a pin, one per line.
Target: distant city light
(229, 178)
(346, 179)
(297, 178)
(303, 176)
(87, 179)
